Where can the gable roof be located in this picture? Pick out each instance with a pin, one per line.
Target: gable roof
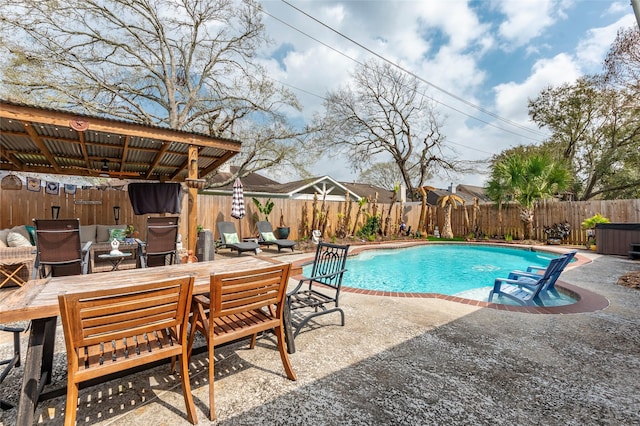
(256, 185)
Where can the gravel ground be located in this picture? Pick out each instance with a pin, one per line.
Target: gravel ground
(403, 361)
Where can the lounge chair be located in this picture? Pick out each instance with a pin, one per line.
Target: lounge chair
(533, 273)
(526, 290)
(229, 239)
(59, 250)
(160, 247)
(311, 296)
(266, 237)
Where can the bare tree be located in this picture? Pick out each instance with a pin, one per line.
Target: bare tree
(186, 65)
(385, 175)
(385, 112)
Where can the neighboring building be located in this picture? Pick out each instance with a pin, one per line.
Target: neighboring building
(466, 192)
(255, 185)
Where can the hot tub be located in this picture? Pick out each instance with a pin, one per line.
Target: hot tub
(616, 238)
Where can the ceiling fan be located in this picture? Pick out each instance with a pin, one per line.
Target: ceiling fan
(105, 172)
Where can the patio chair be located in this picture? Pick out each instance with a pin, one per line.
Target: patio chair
(533, 273)
(243, 304)
(315, 295)
(266, 237)
(14, 361)
(526, 290)
(109, 331)
(229, 239)
(59, 251)
(162, 235)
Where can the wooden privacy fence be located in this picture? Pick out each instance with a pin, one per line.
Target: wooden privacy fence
(95, 206)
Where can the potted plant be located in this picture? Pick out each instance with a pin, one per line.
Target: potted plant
(282, 230)
(131, 233)
(590, 225)
(264, 209)
(557, 232)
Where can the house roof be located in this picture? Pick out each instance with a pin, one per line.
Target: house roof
(257, 185)
(40, 140)
(466, 192)
(370, 191)
(474, 191)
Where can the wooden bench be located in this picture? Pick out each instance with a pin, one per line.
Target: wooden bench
(242, 304)
(108, 331)
(634, 250)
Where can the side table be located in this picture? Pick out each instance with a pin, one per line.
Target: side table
(9, 270)
(115, 259)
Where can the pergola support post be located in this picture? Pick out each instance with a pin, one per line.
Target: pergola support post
(193, 200)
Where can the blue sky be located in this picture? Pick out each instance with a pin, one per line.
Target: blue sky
(495, 54)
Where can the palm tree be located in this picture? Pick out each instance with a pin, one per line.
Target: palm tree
(448, 202)
(527, 180)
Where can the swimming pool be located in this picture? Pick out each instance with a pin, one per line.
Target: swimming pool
(451, 269)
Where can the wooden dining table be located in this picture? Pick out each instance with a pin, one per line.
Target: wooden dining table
(37, 301)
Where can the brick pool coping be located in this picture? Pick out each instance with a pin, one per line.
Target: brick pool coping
(588, 301)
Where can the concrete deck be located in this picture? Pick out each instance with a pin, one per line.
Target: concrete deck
(401, 361)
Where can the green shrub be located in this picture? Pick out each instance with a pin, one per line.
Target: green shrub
(370, 228)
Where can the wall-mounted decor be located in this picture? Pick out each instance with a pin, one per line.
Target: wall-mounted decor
(11, 182)
(69, 189)
(95, 202)
(52, 188)
(33, 184)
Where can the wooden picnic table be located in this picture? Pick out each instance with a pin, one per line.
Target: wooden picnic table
(37, 300)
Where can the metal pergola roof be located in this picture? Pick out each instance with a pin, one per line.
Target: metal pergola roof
(39, 140)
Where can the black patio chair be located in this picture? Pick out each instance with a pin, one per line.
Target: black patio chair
(59, 250)
(14, 361)
(160, 248)
(318, 294)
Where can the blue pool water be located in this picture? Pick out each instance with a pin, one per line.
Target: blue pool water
(460, 270)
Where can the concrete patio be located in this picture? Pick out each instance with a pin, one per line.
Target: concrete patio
(401, 361)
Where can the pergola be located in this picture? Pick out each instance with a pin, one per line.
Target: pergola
(41, 140)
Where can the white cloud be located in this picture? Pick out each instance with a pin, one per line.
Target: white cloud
(455, 19)
(527, 19)
(592, 50)
(512, 98)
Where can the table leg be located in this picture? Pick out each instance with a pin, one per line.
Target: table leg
(37, 368)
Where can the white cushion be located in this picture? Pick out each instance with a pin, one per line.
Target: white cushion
(22, 230)
(15, 239)
(3, 244)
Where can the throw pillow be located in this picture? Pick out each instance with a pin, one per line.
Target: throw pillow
(116, 234)
(2, 243)
(32, 234)
(231, 238)
(17, 240)
(268, 236)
